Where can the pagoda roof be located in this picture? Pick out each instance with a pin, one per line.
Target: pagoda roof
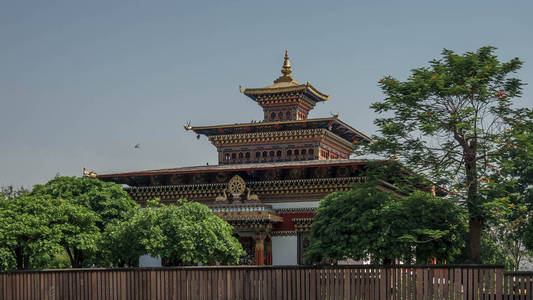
(284, 87)
(240, 167)
(332, 124)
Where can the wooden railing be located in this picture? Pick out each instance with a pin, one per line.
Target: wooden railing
(276, 282)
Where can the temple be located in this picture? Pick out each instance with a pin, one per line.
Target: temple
(271, 173)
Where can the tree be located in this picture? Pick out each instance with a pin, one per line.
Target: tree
(450, 121)
(370, 223)
(138, 234)
(425, 227)
(349, 225)
(511, 187)
(92, 205)
(79, 234)
(25, 231)
(183, 234)
(10, 192)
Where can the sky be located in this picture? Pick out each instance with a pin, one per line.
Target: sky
(83, 82)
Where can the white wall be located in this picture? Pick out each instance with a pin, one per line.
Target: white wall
(284, 250)
(146, 261)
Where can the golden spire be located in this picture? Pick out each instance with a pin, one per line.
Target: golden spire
(286, 70)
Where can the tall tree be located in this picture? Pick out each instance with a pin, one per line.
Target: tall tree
(450, 120)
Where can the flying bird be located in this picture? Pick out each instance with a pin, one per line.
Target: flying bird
(137, 146)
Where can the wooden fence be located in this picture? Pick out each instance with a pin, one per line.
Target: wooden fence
(276, 282)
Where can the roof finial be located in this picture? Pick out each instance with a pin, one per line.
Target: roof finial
(286, 64)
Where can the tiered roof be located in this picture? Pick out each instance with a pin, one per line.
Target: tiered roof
(332, 124)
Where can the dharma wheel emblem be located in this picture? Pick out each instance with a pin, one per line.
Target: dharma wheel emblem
(236, 186)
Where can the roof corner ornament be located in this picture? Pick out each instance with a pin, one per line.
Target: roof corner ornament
(241, 89)
(90, 174)
(187, 126)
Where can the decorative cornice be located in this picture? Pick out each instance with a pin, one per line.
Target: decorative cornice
(284, 233)
(207, 192)
(250, 217)
(296, 210)
(302, 224)
(289, 136)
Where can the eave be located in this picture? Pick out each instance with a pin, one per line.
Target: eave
(333, 124)
(317, 95)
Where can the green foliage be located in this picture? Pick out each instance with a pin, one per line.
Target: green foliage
(7, 261)
(369, 223)
(25, 231)
(450, 121)
(495, 254)
(107, 199)
(426, 227)
(90, 206)
(182, 234)
(127, 239)
(348, 225)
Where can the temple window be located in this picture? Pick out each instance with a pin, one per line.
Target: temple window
(304, 153)
(278, 154)
(271, 155)
(240, 156)
(296, 153)
(273, 116)
(227, 156)
(289, 154)
(311, 153)
(257, 155)
(247, 155)
(280, 115)
(264, 155)
(288, 115)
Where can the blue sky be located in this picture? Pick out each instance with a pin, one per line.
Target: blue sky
(82, 82)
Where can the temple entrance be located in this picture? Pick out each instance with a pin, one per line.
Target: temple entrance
(258, 248)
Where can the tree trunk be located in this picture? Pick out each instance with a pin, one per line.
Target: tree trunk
(79, 258)
(475, 224)
(19, 258)
(475, 221)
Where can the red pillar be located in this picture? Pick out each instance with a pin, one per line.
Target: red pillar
(259, 250)
(269, 252)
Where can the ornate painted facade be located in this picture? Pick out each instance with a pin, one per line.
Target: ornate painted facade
(271, 174)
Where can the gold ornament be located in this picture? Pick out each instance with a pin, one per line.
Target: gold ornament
(236, 185)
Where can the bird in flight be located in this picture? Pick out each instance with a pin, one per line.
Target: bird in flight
(137, 146)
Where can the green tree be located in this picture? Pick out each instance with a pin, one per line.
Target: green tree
(25, 231)
(127, 239)
(425, 227)
(449, 121)
(349, 225)
(92, 205)
(368, 222)
(80, 236)
(512, 188)
(183, 234)
(10, 192)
